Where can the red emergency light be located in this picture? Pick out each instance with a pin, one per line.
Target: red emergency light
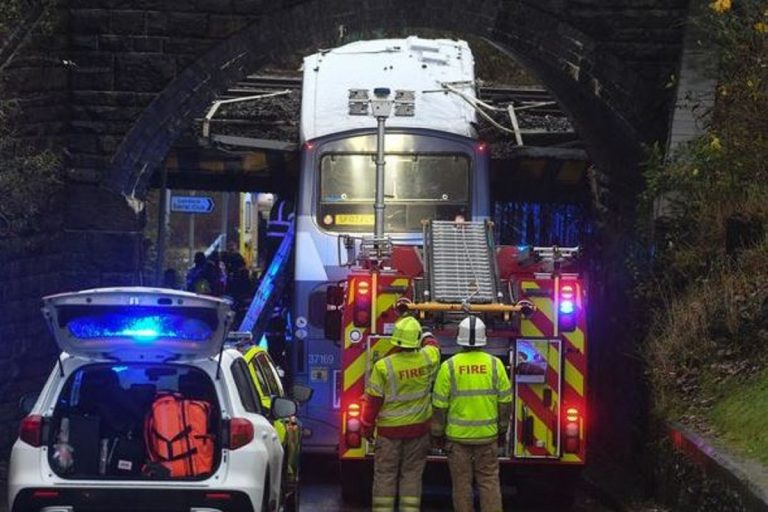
(353, 435)
(361, 315)
(572, 430)
(568, 313)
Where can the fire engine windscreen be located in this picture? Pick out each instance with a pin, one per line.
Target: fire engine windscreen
(417, 187)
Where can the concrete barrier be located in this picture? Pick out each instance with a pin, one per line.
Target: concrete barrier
(708, 477)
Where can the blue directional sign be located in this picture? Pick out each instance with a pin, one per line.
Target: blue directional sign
(192, 204)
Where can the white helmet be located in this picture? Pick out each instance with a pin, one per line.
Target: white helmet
(471, 332)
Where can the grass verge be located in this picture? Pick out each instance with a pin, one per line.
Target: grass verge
(739, 417)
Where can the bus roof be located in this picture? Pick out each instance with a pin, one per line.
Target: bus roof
(411, 64)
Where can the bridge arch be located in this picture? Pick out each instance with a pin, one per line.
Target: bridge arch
(607, 114)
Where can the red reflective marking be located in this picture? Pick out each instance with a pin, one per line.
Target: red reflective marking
(574, 356)
(532, 449)
(218, 496)
(45, 494)
(553, 379)
(543, 323)
(533, 402)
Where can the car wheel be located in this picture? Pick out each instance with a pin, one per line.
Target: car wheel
(265, 494)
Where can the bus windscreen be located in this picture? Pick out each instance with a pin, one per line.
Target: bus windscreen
(417, 187)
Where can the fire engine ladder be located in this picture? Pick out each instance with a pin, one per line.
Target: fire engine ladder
(271, 288)
(461, 262)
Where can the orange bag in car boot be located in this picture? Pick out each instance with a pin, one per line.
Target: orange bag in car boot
(176, 432)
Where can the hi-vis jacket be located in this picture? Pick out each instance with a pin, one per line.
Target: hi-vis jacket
(472, 397)
(402, 384)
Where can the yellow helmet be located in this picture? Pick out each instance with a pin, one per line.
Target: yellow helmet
(407, 333)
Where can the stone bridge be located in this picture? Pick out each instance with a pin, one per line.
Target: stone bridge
(115, 82)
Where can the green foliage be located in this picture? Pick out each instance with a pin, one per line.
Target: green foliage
(708, 300)
(10, 13)
(713, 333)
(26, 15)
(28, 178)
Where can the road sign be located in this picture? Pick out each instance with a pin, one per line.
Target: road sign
(192, 204)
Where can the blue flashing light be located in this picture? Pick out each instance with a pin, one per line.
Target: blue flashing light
(143, 328)
(566, 307)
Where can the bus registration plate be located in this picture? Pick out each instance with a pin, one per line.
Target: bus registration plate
(354, 220)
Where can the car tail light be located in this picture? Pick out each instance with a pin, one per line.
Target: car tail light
(362, 308)
(31, 430)
(240, 433)
(572, 430)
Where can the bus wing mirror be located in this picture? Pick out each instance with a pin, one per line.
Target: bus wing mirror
(334, 301)
(301, 394)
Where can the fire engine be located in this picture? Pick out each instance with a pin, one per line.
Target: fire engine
(533, 302)
(393, 218)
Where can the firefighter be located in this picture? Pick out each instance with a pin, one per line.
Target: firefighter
(397, 404)
(472, 401)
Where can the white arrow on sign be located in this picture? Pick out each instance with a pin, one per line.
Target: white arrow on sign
(192, 204)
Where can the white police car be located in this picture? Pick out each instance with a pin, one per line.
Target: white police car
(145, 410)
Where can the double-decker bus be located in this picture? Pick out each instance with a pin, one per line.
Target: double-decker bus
(435, 169)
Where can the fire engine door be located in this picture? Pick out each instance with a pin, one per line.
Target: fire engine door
(537, 365)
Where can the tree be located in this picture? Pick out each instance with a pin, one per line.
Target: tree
(28, 176)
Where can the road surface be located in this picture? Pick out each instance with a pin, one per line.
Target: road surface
(321, 492)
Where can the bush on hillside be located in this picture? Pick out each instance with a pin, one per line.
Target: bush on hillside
(709, 294)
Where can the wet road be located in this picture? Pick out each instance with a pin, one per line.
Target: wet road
(321, 492)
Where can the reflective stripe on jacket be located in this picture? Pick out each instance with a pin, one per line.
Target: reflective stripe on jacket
(471, 385)
(404, 380)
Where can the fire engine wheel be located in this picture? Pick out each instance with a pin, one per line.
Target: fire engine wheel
(356, 481)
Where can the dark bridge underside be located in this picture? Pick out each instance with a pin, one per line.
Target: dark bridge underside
(530, 174)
